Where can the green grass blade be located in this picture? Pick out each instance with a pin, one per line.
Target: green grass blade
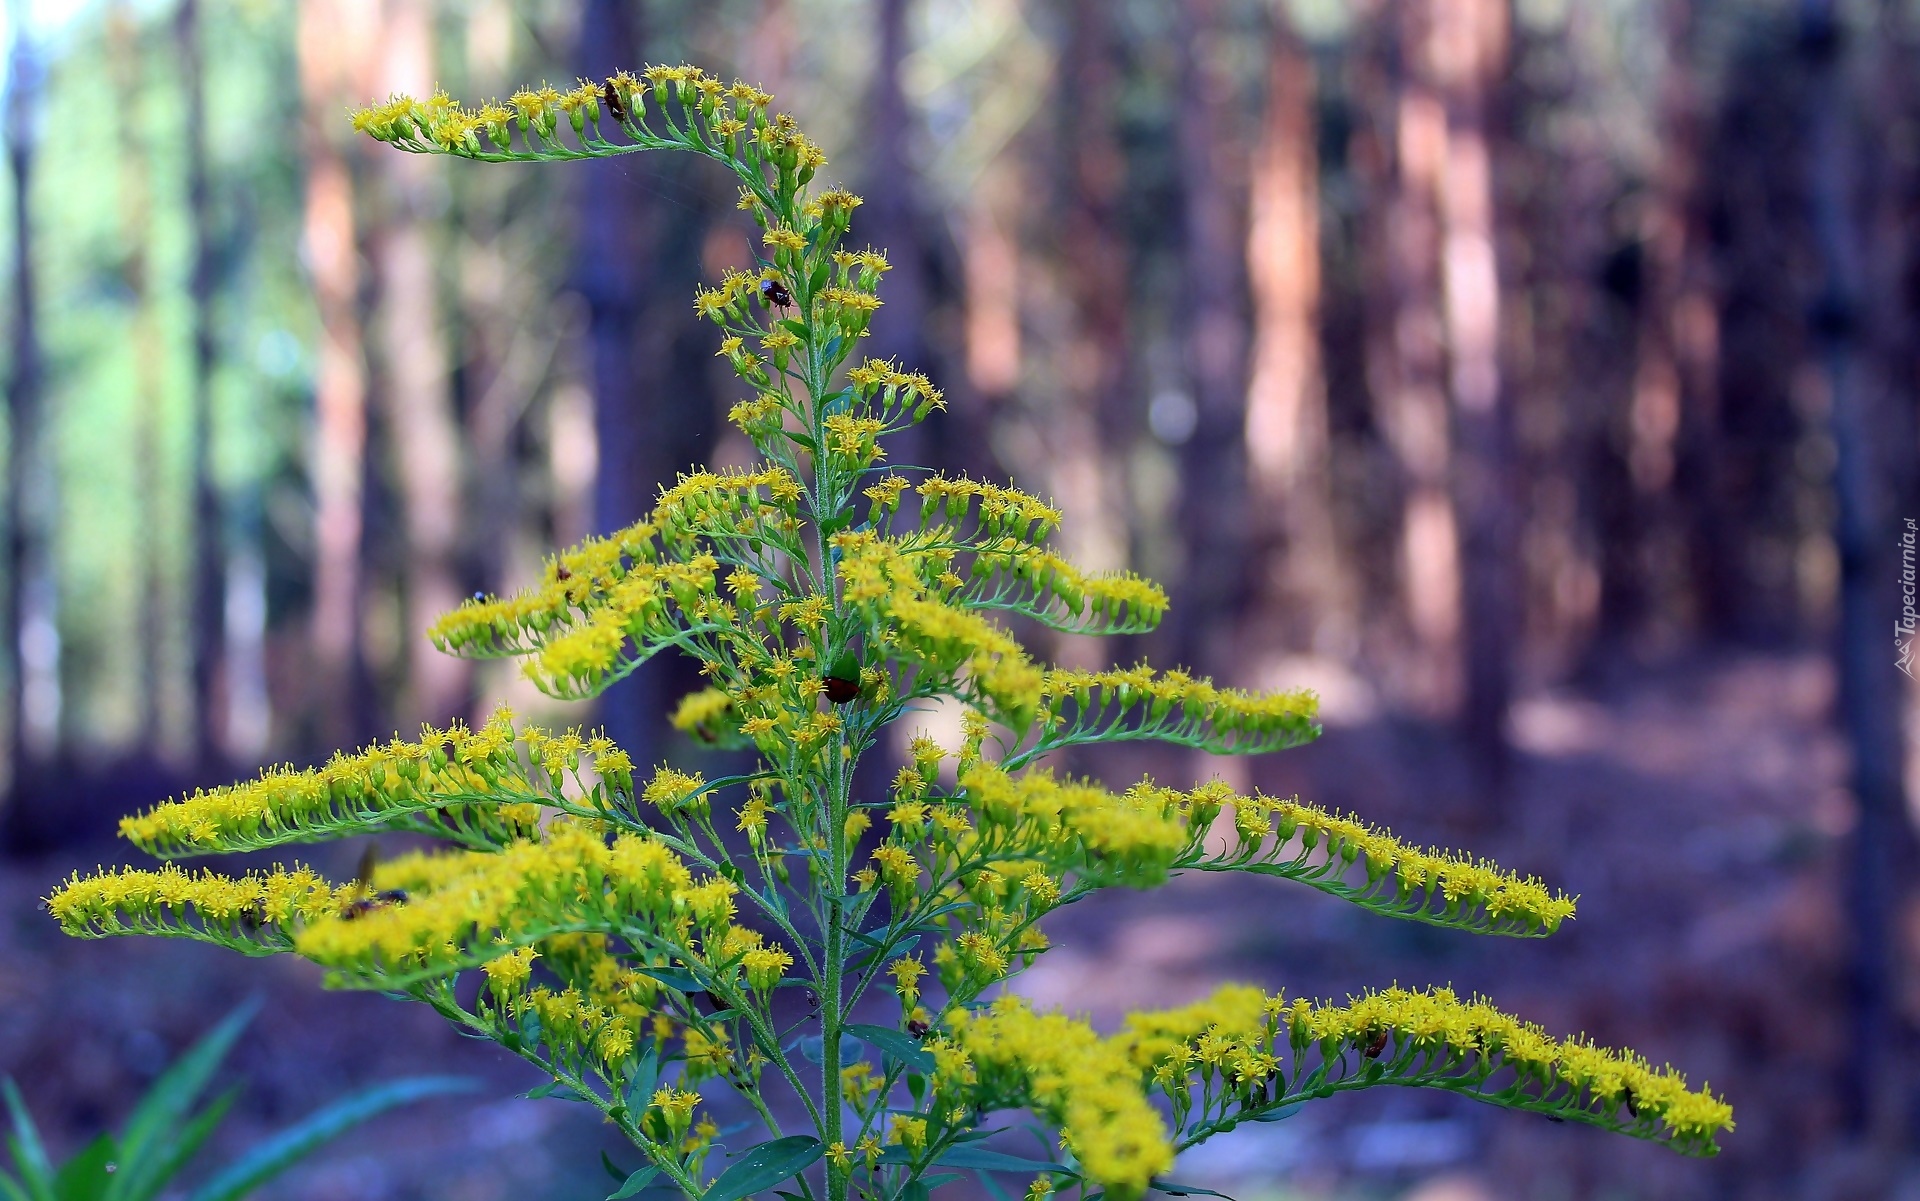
(85, 1176)
(29, 1154)
(295, 1143)
(165, 1107)
(156, 1171)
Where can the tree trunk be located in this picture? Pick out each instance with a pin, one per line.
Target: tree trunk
(1089, 172)
(1212, 591)
(614, 229)
(136, 225)
(1467, 52)
(335, 40)
(33, 679)
(206, 623)
(892, 219)
(1407, 366)
(417, 391)
(1868, 538)
(1286, 429)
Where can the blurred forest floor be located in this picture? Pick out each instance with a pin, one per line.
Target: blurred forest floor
(1696, 812)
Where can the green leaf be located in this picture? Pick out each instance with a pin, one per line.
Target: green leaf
(165, 1107)
(1186, 1190)
(618, 1174)
(558, 1090)
(13, 1190)
(157, 1171)
(634, 1184)
(673, 978)
(640, 1088)
(29, 1154)
(85, 1177)
(811, 1047)
(895, 1043)
(765, 1166)
(980, 1159)
(295, 1143)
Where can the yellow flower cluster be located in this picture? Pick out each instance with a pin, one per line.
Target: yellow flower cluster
(855, 439)
(610, 603)
(483, 905)
(1439, 886)
(1172, 706)
(708, 717)
(733, 122)
(488, 781)
(1062, 1069)
(439, 123)
(1106, 603)
(1003, 512)
(253, 914)
(1425, 1038)
(572, 1025)
(1133, 838)
(887, 587)
(946, 638)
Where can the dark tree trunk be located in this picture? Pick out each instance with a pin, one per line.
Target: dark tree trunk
(32, 653)
(1868, 538)
(1468, 53)
(206, 621)
(1212, 591)
(332, 74)
(614, 229)
(893, 221)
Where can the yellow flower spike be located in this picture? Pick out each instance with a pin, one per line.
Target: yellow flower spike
(253, 914)
(452, 777)
(1062, 1069)
(1426, 1038)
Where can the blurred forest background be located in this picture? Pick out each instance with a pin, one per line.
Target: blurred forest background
(1535, 378)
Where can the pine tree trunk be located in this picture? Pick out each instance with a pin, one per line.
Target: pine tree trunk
(206, 622)
(1407, 368)
(32, 650)
(1088, 172)
(614, 227)
(1287, 438)
(891, 217)
(1867, 535)
(1467, 53)
(136, 225)
(334, 46)
(417, 388)
(1212, 592)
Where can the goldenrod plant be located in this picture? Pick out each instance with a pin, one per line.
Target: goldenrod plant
(655, 941)
(169, 1126)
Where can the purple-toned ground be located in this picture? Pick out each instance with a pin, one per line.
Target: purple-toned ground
(1699, 815)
